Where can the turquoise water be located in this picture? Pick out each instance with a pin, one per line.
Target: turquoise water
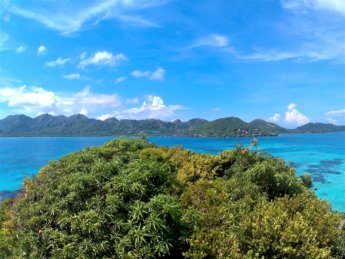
(322, 155)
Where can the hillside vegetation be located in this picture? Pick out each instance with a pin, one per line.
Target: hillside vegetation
(79, 125)
(132, 199)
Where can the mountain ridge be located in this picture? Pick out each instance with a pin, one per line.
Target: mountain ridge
(79, 125)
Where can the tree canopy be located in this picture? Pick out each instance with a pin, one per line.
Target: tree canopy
(132, 199)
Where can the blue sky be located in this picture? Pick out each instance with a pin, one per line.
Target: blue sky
(282, 61)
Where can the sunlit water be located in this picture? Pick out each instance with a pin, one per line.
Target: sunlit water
(321, 155)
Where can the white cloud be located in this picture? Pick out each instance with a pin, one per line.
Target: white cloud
(72, 76)
(137, 21)
(34, 100)
(333, 116)
(3, 39)
(42, 50)
(274, 118)
(213, 40)
(141, 74)
(59, 62)
(157, 74)
(152, 108)
(70, 16)
(331, 120)
(336, 6)
(336, 113)
(132, 100)
(120, 79)
(21, 49)
(316, 35)
(105, 117)
(216, 109)
(83, 111)
(101, 58)
(293, 116)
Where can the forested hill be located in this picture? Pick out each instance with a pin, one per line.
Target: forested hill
(80, 125)
(320, 128)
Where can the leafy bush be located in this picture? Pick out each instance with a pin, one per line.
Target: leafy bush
(131, 199)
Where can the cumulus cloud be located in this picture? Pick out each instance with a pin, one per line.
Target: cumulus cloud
(274, 118)
(59, 62)
(101, 58)
(42, 50)
(120, 79)
(72, 76)
(157, 74)
(152, 108)
(21, 49)
(213, 40)
(27, 97)
(35, 100)
(293, 116)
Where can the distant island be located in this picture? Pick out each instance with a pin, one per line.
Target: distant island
(79, 125)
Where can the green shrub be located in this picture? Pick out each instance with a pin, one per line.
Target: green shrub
(131, 199)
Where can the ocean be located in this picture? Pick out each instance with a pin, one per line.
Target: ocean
(321, 155)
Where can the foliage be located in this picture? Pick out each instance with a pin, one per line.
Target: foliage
(131, 199)
(306, 180)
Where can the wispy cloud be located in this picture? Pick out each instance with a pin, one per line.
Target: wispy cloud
(334, 116)
(274, 118)
(336, 113)
(335, 6)
(42, 50)
(157, 74)
(21, 49)
(101, 58)
(3, 39)
(317, 35)
(212, 40)
(120, 79)
(293, 116)
(69, 16)
(59, 62)
(72, 76)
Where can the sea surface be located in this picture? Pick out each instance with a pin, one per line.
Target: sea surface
(321, 155)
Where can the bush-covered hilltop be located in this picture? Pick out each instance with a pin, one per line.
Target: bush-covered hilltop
(132, 199)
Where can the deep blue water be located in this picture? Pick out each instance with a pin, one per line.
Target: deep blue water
(321, 155)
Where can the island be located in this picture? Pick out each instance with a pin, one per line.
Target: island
(47, 125)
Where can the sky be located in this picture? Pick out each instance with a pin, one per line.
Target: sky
(281, 61)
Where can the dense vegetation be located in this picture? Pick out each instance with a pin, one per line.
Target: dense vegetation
(132, 199)
(319, 128)
(79, 125)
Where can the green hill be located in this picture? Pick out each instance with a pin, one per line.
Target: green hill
(319, 128)
(80, 125)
